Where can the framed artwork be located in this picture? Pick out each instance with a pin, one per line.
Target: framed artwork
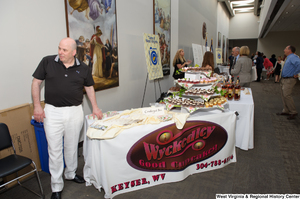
(224, 49)
(227, 50)
(219, 39)
(93, 25)
(162, 28)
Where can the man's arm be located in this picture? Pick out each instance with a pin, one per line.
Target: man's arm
(297, 69)
(38, 111)
(91, 94)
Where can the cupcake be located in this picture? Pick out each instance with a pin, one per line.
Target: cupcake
(206, 104)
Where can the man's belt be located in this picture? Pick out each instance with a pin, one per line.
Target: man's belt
(287, 77)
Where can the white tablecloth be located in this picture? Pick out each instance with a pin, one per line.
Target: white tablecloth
(108, 163)
(244, 132)
(254, 73)
(224, 69)
(245, 121)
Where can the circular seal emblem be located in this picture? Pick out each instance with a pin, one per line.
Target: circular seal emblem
(153, 57)
(219, 55)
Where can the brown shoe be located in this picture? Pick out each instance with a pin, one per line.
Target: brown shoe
(292, 116)
(282, 113)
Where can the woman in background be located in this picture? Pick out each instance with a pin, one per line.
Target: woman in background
(243, 67)
(277, 69)
(208, 61)
(259, 65)
(268, 66)
(178, 63)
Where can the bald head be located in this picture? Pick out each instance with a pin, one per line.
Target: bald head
(69, 42)
(67, 50)
(236, 51)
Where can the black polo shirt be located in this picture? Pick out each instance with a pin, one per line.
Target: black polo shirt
(63, 86)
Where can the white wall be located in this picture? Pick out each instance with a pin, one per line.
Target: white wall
(222, 20)
(192, 14)
(31, 30)
(223, 27)
(275, 42)
(243, 26)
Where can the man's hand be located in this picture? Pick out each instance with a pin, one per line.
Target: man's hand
(39, 114)
(97, 112)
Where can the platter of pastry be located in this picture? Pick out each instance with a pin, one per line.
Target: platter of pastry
(193, 105)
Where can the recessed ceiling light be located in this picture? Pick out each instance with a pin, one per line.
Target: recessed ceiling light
(292, 6)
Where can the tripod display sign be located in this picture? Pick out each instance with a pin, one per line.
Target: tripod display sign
(152, 55)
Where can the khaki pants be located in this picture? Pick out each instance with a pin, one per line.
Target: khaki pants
(287, 85)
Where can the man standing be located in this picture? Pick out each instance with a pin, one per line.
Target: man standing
(288, 80)
(234, 58)
(65, 77)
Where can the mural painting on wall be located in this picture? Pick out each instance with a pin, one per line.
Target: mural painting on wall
(93, 25)
(162, 28)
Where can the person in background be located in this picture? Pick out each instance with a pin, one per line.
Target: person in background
(208, 61)
(179, 62)
(273, 60)
(288, 80)
(114, 65)
(277, 69)
(65, 78)
(243, 67)
(230, 57)
(87, 44)
(80, 41)
(108, 58)
(97, 53)
(255, 56)
(268, 66)
(259, 65)
(236, 55)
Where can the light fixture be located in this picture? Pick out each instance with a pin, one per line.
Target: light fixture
(243, 9)
(286, 12)
(242, 2)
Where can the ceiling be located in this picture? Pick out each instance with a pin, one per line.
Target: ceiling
(289, 18)
(284, 15)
